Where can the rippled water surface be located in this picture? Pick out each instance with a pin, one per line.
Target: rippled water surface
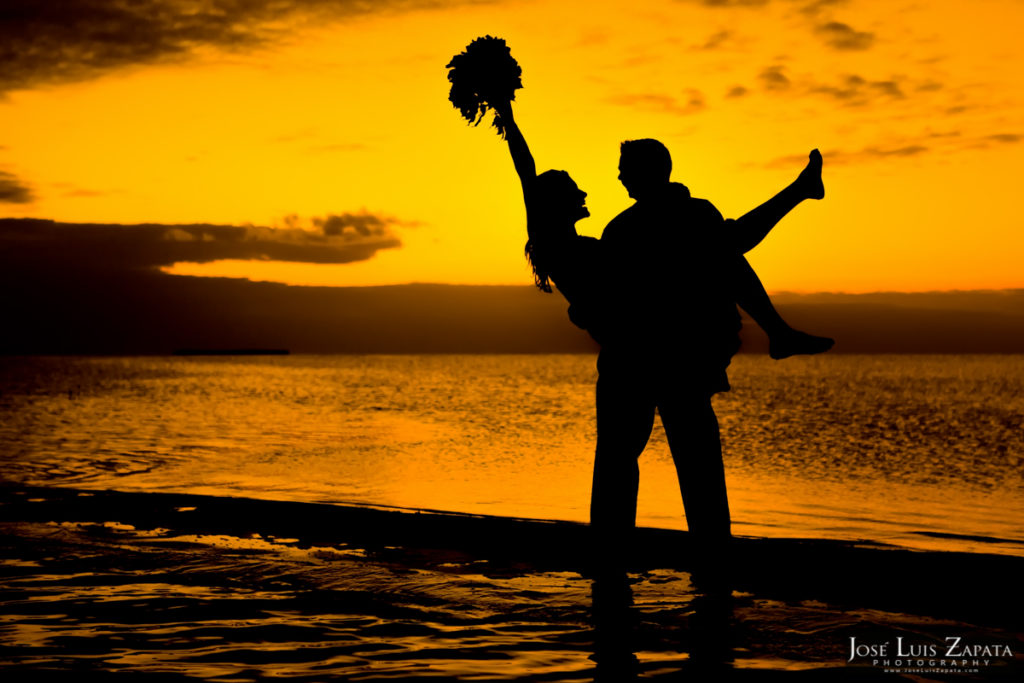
(918, 451)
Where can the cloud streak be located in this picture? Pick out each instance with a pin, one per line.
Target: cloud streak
(851, 89)
(842, 157)
(856, 90)
(691, 102)
(49, 245)
(716, 40)
(937, 143)
(12, 191)
(772, 78)
(734, 3)
(816, 6)
(842, 36)
(1008, 138)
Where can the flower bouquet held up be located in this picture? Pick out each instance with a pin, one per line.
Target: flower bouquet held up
(483, 77)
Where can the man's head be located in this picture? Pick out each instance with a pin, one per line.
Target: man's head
(644, 166)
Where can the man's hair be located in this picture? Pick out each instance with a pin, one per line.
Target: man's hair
(648, 154)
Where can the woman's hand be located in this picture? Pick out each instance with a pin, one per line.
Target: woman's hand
(503, 108)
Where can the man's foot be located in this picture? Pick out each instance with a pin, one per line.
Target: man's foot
(794, 343)
(712, 565)
(810, 178)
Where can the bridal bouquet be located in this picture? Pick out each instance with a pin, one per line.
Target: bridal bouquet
(483, 75)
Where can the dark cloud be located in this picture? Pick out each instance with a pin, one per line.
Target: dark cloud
(905, 151)
(1005, 137)
(52, 42)
(12, 191)
(772, 78)
(813, 8)
(48, 245)
(843, 37)
(989, 141)
(356, 226)
(891, 88)
(937, 142)
(734, 3)
(716, 39)
(849, 88)
(852, 90)
(691, 102)
(856, 90)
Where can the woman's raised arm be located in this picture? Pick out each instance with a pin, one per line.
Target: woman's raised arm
(517, 147)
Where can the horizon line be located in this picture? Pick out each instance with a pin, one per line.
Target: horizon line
(421, 283)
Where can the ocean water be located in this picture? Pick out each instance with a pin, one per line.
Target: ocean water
(923, 452)
(131, 543)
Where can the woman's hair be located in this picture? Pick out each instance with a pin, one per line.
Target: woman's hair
(547, 208)
(541, 277)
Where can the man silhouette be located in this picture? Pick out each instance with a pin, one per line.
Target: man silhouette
(679, 273)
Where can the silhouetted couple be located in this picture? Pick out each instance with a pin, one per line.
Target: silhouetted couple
(658, 292)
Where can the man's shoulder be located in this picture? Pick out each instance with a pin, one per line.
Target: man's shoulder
(703, 207)
(622, 221)
(701, 202)
(626, 214)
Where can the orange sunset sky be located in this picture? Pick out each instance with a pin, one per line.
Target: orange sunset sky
(285, 114)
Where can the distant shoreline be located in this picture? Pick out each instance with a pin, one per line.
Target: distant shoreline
(276, 352)
(230, 352)
(168, 313)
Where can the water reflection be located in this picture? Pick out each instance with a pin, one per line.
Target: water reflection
(210, 588)
(614, 623)
(697, 642)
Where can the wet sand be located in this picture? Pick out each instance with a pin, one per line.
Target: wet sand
(184, 587)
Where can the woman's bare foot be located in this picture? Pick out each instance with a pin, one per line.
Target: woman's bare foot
(810, 178)
(796, 343)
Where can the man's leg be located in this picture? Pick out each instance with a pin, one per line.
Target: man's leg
(693, 437)
(692, 431)
(625, 417)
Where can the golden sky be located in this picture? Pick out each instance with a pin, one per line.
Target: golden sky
(283, 114)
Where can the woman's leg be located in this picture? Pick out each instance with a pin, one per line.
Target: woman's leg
(749, 229)
(783, 340)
